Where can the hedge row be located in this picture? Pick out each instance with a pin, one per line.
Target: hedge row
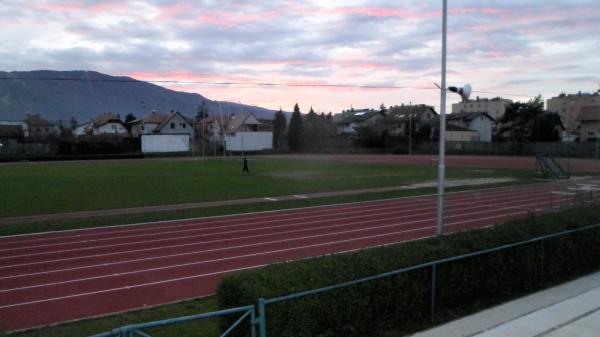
(401, 304)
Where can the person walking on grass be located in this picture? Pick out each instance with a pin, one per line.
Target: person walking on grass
(245, 170)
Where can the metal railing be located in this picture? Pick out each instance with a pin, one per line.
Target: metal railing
(260, 321)
(134, 330)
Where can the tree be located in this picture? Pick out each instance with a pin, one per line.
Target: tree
(73, 123)
(128, 119)
(523, 122)
(202, 111)
(294, 135)
(279, 126)
(311, 130)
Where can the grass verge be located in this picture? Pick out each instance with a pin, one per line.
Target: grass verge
(92, 222)
(102, 324)
(42, 188)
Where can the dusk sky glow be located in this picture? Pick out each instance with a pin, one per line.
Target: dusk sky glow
(518, 47)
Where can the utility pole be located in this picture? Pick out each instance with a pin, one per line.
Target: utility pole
(410, 128)
(193, 136)
(442, 140)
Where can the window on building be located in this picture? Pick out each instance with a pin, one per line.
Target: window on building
(183, 125)
(172, 125)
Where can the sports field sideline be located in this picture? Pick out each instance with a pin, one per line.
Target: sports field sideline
(62, 276)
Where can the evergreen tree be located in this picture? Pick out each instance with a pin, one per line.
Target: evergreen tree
(294, 135)
(279, 126)
(73, 123)
(311, 135)
(202, 111)
(129, 118)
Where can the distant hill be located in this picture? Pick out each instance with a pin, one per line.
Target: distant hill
(57, 95)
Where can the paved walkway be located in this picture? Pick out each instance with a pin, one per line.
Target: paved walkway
(569, 310)
(209, 204)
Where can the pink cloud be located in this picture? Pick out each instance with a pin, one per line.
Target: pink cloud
(75, 7)
(228, 19)
(172, 11)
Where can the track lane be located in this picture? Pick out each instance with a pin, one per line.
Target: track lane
(148, 278)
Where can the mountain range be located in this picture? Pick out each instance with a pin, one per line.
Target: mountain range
(61, 95)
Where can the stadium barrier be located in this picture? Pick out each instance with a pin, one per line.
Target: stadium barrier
(258, 320)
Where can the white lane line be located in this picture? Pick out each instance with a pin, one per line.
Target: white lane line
(300, 196)
(529, 197)
(262, 244)
(269, 220)
(237, 269)
(270, 199)
(203, 229)
(173, 223)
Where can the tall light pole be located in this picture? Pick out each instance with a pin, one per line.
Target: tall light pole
(442, 136)
(410, 129)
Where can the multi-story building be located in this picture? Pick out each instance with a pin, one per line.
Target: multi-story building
(569, 106)
(494, 107)
(589, 120)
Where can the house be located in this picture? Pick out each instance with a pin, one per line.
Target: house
(158, 123)
(244, 132)
(39, 128)
(401, 118)
(350, 121)
(481, 122)
(211, 128)
(10, 136)
(494, 107)
(24, 127)
(570, 106)
(589, 121)
(105, 124)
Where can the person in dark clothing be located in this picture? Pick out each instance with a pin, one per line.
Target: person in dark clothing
(246, 171)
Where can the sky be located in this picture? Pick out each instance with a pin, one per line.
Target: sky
(502, 48)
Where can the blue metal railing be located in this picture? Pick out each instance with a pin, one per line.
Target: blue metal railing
(259, 321)
(137, 329)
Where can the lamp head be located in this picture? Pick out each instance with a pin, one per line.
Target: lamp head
(464, 92)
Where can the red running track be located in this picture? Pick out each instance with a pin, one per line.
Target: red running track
(63, 276)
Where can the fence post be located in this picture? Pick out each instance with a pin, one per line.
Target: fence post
(253, 322)
(542, 259)
(433, 272)
(262, 324)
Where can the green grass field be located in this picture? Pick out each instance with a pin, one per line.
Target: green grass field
(40, 188)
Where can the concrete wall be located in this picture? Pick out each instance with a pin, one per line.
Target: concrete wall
(249, 141)
(165, 143)
(462, 136)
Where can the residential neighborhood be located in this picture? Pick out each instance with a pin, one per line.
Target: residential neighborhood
(565, 118)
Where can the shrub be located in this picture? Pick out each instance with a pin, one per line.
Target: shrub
(401, 304)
